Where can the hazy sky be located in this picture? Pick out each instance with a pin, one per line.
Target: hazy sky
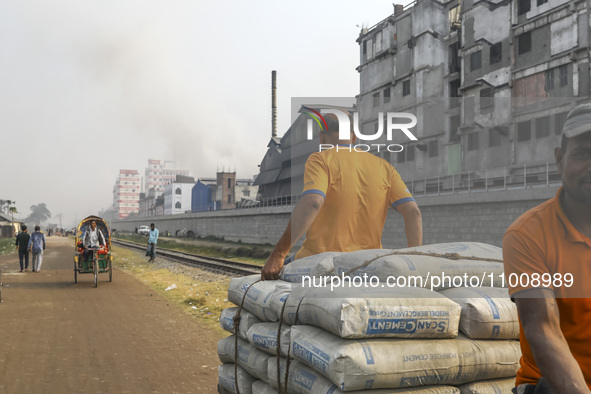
(91, 87)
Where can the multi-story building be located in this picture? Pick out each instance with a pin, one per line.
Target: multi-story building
(126, 193)
(490, 82)
(177, 195)
(159, 173)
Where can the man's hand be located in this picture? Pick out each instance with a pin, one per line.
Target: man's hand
(272, 267)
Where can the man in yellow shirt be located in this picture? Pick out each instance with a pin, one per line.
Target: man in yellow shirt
(344, 203)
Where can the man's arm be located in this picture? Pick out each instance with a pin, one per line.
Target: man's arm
(43, 237)
(302, 218)
(540, 318)
(413, 222)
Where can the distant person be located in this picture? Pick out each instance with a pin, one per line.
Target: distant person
(37, 246)
(93, 238)
(22, 245)
(152, 241)
(344, 203)
(543, 248)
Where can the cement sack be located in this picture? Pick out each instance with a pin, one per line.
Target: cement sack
(249, 358)
(247, 319)
(304, 380)
(227, 380)
(465, 249)
(311, 266)
(397, 363)
(259, 296)
(375, 312)
(434, 273)
(263, 336)
(495, 386)
(487, 312)
(260, 387)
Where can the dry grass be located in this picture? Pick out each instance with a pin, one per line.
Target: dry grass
(203, 298)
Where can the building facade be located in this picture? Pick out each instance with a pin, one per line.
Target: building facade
(126, 193)
(159, 173)
(177, 195)
(490, 83)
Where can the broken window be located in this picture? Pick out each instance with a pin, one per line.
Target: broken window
(376, 99)
(523, 6)
(543, 127)
(524, 131)
(524, 43)
(496, 53)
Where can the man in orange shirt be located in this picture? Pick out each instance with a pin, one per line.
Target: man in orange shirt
(344, 203)
(547, 256)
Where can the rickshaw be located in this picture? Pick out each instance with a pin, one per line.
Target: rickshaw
(96, 260)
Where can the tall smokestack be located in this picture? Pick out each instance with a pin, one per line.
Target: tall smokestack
(273, 103)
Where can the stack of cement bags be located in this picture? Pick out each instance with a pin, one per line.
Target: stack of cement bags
(374, 339)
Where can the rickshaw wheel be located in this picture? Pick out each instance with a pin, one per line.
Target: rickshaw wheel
(95, 268)
(110, 271)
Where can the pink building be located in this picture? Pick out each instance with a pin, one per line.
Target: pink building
(126, 193)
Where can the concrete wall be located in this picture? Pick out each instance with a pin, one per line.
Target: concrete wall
(478, 217)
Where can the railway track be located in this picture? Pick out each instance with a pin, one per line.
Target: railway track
(214, 264)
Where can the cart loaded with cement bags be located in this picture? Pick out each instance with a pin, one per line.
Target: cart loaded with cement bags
(434, 337)
(93, 260)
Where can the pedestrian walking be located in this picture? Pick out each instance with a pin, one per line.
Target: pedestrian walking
(37, 246)
(152, 240)
(22, 244)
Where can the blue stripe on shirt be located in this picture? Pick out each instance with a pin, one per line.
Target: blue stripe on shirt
(402, 201)
(314, 191)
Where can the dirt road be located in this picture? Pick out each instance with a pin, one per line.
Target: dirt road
(61, 337)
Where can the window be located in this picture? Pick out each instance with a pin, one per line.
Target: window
(475, 61)
(454, 58)
(229, 183)
(563, 75)
(523, 6)
(364, 48)
(410, 153)
(524, 131)
(177, 205)
(229, 198)
(540, 2)
(524, 43)
(376, 99)
(486, 97)
(559, 120)
(454, 87)
(433, 148)
(386, 95)
(494, 138)
(543, 127)
(401, 156)
(454, 125)
(178, 190)
(473, 141)
(496, 53)
(550, 79)
(246, 193)
(406, 87)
